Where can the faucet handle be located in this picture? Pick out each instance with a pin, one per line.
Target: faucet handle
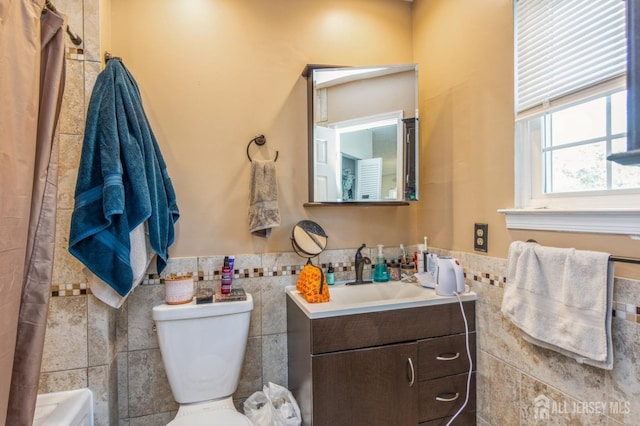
(358, 254)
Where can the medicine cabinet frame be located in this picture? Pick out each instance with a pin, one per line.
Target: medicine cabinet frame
(406, 173)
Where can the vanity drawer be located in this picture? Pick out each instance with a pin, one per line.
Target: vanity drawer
(444, 356)
(444, 396)
(387, 327)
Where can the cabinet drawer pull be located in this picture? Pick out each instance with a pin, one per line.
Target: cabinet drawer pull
(443, 399)
(413, 372)
(448, 357)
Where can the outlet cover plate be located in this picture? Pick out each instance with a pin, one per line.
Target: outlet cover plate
(480, 237)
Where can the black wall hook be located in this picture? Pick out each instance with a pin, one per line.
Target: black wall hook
(108, 56)
(259, 140)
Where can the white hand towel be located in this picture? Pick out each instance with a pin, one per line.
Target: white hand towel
(140, 257)
(561, 300)
(264, 213)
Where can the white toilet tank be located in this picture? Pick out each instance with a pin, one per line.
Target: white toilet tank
(203, 347)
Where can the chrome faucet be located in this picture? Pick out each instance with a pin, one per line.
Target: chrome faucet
(360, 261)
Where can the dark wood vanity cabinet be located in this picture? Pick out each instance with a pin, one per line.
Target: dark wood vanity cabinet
(398, 367)
(364, 386)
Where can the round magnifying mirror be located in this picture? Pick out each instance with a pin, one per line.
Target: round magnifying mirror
(308, 238)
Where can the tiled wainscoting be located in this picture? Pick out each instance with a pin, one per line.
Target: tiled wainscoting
(115, 351)
(116, 354)
(522, 384)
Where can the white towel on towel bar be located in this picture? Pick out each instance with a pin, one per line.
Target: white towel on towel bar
(561, 300)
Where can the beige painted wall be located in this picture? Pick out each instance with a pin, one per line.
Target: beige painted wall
(216, 73)
(465, 52)
(104, 14)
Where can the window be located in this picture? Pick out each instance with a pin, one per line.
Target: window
(565, 150)
(571, 107)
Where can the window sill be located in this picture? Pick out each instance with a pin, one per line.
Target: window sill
(598, 221)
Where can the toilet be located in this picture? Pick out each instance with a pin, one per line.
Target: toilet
(202, 350)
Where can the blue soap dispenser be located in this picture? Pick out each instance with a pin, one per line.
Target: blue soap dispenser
(381, 273)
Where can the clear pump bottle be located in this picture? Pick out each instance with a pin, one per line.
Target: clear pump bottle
(381, 273)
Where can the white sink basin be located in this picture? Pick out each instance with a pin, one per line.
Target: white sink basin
(355, 299)
(365, 293)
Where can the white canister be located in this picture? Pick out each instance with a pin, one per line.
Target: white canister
(178, 289)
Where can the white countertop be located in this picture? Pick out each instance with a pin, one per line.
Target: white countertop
(362, 298)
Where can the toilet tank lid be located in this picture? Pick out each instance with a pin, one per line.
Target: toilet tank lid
(191, 310)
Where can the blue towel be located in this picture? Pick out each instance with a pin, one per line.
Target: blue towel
(122, 182)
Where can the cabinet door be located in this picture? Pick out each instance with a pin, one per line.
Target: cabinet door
(373, 386)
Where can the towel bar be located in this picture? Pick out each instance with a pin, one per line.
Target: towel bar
(611, 258)
(624, 260)
(259, 140)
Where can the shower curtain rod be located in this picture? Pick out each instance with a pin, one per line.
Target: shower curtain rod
(75, 38)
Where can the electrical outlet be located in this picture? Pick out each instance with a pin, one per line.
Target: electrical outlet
(480, 237)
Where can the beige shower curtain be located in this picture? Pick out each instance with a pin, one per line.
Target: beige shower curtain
(32, 70)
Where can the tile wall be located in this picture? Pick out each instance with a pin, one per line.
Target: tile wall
(517, 380)
(116, 352)
(512, 374)
(80, 343)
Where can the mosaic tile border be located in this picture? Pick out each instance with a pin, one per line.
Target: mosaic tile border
(626, 311)
(621, 310)
(76, 289)
(276, 271)
(485, 278)
(74, 53)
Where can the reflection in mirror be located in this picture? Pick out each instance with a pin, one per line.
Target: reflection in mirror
(363, 134)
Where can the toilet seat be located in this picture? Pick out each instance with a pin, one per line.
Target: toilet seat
(221, 417)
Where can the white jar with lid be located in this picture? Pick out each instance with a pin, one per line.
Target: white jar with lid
(178, 289)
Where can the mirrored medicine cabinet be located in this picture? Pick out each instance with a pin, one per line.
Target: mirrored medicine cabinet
(363, 135)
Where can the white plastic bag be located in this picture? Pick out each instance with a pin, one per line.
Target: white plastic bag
(259, 410)
(273, 406)
(285, 405)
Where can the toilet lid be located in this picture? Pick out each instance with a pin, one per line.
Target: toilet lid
(223, 417)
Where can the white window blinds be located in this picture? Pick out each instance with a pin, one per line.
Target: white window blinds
(566, 45)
